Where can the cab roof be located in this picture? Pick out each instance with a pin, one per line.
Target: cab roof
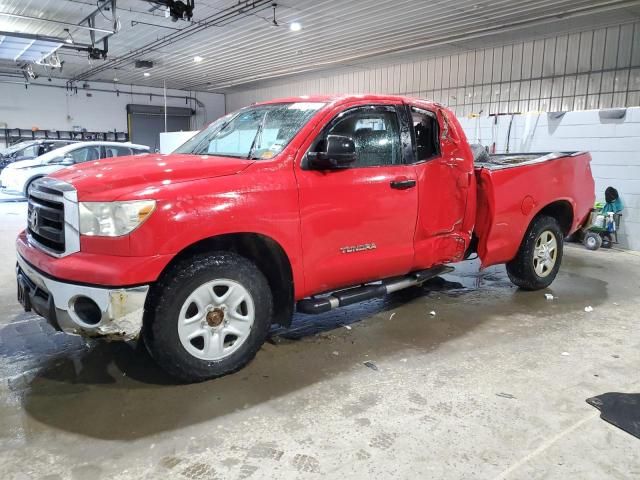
(335, 99)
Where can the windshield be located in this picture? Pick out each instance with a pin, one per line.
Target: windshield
(17, 147)
(259, 132)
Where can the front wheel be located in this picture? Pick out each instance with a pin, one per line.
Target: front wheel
(539, 256)
(208, 316)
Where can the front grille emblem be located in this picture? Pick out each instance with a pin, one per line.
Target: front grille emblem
(33, 220)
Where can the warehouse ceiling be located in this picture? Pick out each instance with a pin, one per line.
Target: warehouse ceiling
(231, 43)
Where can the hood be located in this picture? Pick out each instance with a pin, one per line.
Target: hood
(25, 163)
(141, 171)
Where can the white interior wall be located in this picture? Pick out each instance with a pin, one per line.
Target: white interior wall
(47, 108)
(594, 68)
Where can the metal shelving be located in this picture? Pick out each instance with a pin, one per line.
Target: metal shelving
(15, 135)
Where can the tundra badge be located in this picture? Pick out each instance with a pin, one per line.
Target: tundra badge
(358, 248)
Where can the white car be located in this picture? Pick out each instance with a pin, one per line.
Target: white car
(17, 177)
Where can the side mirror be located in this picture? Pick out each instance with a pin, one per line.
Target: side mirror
(340, 152)
(61, 161)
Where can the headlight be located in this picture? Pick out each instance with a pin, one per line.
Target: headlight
(113, 219)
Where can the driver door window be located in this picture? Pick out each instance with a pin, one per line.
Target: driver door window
(375, 132)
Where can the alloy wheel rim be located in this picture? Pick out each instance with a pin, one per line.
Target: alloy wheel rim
(216, 319)
(545, 253)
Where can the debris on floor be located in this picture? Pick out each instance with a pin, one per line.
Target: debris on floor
(348, 327)
(548, 296)
(392, 315)
(371, 365)
(335, 352)
(619, 409)
(588, 309)
(565, 354)
(432, 313)
(506, 395)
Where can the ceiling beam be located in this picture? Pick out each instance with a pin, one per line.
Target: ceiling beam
(24, 50)
(57, 22)
(45, 38)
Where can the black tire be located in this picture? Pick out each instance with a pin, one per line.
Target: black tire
(160, 329)
(592, 241)
(521, 269)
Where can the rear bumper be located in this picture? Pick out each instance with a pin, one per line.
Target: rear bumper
(118, 315)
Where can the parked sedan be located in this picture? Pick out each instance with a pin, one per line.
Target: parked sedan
(29, 149)
(17, 177)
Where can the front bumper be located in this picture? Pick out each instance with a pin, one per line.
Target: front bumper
(120, 309)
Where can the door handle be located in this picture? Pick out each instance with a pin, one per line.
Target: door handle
(403, 184)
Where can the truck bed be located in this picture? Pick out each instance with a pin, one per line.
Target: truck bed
(498, 161)
(514, 188)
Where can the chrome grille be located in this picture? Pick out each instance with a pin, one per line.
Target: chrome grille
(46, 220)
(52, 219)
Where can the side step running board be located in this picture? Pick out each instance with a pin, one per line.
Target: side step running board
(350, 296)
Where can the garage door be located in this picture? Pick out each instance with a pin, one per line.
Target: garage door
(146, 122)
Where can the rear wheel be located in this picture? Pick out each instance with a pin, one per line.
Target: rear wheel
(538, 259)
(592, 241)
(208, 316)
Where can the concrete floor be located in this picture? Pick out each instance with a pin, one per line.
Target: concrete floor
(493, 386)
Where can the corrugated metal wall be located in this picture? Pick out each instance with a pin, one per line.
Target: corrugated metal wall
(580, 71)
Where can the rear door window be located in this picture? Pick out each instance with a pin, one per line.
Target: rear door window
(116, 151)
(425, 130)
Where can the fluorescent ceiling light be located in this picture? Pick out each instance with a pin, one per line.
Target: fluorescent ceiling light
(295, 27)
(146, 74)
(198, 59)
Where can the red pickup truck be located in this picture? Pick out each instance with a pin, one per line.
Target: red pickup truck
(310, 203)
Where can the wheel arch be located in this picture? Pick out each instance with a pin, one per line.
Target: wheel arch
(30, 180)
(267, 254)
(562, 210)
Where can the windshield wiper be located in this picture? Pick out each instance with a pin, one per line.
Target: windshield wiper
(255, 139)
